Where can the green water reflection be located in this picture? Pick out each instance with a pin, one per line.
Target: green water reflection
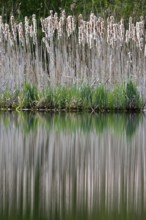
(72, 166)
(29, 122)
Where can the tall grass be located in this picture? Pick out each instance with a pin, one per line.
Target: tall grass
(67, 50)
(75, 98)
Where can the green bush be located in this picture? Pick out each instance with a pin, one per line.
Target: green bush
(86, 94)
(117, 99)
(122, 8)
(83, 97)
(133, 100)
(100, 98)
(29, 96)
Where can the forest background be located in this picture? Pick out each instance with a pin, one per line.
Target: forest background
(104, 8)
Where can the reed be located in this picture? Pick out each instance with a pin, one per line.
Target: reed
(68, 50)
(83, 97)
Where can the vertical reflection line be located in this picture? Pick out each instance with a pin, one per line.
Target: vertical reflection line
(144, 166)
(4, 188)
(24, 189)
(127, 170)
(88, 179)
(18, 188)
(119, 176)
(106, 174)
(141, 168)
(105, 180)
(109, 173)
(32, 190)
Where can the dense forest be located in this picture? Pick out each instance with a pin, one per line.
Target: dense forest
(118, 8)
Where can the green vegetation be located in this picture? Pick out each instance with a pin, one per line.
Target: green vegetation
(124, 8)
(82, 98)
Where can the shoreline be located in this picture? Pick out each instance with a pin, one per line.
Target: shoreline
(82, 98)
(75, 110)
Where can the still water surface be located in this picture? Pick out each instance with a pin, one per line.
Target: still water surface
(72, 166)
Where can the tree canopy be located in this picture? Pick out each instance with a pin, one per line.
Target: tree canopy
(119, 8)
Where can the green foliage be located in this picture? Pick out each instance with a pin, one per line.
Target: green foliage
(133, 100)
(46, 100)
(82, 98)
(61, 97)
(9, 99)
(117, 99)
(76, 102)
(118, 8)
(86, 94)
(5, 99)
(100, 98)
(29, 96)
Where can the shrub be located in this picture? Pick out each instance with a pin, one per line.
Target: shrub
(133, 100)
(29, 96)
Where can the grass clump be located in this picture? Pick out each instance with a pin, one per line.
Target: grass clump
(117, 98)
(9, 100)
(100, 98)
(28, 97)
(133, 100)
(86, 96)
(124, 97)
(62, 97)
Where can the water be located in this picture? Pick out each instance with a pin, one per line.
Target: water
(72, 166)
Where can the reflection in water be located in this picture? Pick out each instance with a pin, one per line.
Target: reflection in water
(72, 166)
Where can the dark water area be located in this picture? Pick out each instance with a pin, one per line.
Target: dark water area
(72, 166)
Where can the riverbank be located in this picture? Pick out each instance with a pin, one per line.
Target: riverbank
(84, 97)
